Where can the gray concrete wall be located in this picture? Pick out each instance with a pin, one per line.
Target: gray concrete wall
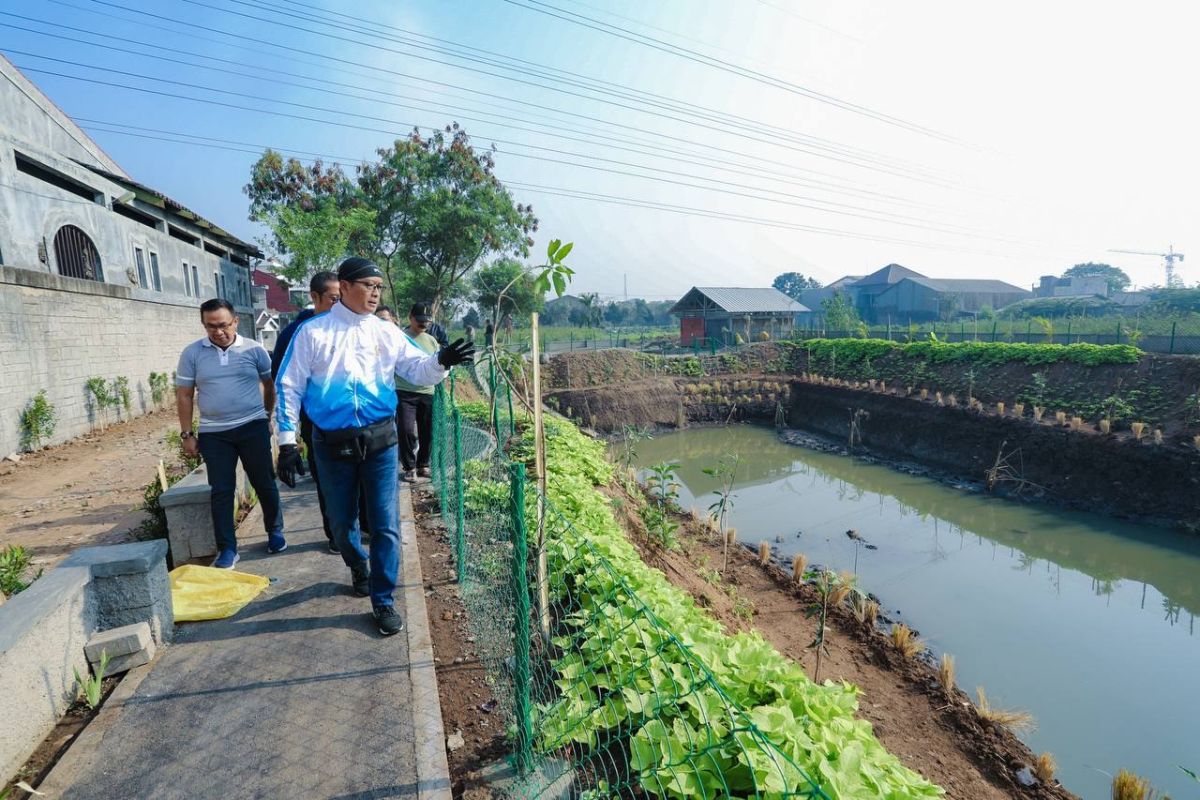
(43, 631)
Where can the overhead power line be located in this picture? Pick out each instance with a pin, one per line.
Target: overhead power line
(719, 126)
(659, 151)
(785, 198)
(726, 66)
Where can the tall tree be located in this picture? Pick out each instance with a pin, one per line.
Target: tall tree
(1118, 281)
(506, 287)
(793, 283)
(316, 239)
(839, 312)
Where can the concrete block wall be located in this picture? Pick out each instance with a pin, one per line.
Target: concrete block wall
(44, 630)
(189, 515)
(57, 332)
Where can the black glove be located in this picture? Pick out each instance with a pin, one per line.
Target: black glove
(289, 464)
(459, 352)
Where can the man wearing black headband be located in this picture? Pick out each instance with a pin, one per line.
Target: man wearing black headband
(341, 367)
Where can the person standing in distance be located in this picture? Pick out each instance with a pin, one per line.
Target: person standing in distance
(415, 417)
(324, 290)
(341, 366)
(227, 371)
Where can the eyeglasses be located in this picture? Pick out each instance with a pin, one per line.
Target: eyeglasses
(373, 288)
(214, 327)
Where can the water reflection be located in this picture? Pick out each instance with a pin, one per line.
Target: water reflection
(1063, 613)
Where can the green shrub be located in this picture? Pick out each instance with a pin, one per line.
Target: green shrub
(14, 563)
(37, 422)
(159, 385)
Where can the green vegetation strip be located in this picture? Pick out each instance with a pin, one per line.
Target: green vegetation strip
(642, 681)
(848, 351)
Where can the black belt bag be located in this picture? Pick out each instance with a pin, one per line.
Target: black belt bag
(355, 444)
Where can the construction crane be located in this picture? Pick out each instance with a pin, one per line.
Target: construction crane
(1173, 281)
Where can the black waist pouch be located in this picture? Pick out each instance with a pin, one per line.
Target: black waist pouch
(355, 444)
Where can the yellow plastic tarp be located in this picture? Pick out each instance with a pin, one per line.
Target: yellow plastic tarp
(208, 593)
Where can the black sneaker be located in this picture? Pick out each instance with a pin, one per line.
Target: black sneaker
(331, 545)
(360, 580)
(388, 620)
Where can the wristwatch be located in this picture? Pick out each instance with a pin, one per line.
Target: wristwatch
(187, 435)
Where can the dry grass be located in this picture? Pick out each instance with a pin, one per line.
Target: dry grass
(882, 386)
(924, 394)
(1013, 720)
(840, 591)
(1158, 439)
(1139, 430)
(1196, 441)
(1076, 423)
(1106, 426)
(1000, 409)
(1018, 409)
(865, 610)
(937, 398)
(764, 552)
(952, 401)
(1044, 768)
(871, 613)
(1060, 417)
(1127, 786)
(1038, 411)
(799, 565)
(946, 673)
(904, 641)
(731, 536)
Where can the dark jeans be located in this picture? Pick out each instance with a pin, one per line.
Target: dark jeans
(306, 433)
(414, 417)
(340, 482)
(221, 450)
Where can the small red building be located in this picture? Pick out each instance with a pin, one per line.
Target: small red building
(279, 297)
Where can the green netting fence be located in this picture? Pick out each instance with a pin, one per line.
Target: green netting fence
(600, 698)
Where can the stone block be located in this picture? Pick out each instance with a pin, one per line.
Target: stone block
(118, 642)
(126, 662)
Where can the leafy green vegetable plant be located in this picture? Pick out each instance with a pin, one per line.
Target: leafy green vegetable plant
(725, 470)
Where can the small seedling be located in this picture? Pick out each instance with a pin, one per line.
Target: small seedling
(946, 673)
(90, 688)
(1044, 768)
(37, 422)
(14, 561)
(1013, 720)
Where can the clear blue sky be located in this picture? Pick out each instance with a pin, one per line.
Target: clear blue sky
(1062, 130)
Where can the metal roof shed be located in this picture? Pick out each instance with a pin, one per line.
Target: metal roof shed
(727, 313)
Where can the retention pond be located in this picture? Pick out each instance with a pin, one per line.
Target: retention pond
(1082, 620)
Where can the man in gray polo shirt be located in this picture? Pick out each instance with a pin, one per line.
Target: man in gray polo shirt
(236, 395)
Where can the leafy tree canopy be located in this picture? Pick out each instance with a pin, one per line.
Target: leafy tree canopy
(506, 287)
(1118, 281)
(793, 283)
(315, 239)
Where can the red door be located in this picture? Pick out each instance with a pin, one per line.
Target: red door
(690, 328)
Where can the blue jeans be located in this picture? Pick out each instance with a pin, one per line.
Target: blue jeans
(221, 450)
(340, 484)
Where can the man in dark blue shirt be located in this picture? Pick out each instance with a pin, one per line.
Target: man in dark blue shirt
(324, 291)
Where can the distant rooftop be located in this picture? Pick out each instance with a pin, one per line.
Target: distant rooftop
(736, 300)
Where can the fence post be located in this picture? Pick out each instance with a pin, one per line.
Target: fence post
(459, 538)
(994, 324)
(1118, 332)
(1171, 349)
(523, 718)
(512, 422)
(439, 399)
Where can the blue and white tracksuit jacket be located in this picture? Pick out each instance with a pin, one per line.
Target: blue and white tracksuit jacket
(341, 367)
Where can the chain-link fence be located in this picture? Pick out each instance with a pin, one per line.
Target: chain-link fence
(603, 699)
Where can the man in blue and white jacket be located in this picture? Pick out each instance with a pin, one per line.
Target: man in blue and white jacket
(341, 367)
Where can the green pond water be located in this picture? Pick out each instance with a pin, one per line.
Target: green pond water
(1084, 621)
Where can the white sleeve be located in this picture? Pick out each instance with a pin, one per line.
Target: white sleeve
(415, 365)
(290, 384)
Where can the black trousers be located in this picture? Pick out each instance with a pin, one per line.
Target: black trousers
(306, 433)
(414, 418)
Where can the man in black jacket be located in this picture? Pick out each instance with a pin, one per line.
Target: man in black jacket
(324, 291)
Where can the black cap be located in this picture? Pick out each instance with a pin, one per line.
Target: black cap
(356, 268)
(421, 312)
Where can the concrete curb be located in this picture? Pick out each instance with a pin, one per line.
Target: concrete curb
(433, 772)
(82, 752)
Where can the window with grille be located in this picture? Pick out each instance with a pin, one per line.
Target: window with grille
(154, 276)
(140, 260)
(187, 280)
(76, 254)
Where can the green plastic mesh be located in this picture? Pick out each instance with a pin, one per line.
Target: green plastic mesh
(600, 698)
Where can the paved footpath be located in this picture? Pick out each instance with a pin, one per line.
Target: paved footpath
(296, 696)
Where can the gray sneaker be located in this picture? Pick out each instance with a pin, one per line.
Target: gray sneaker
(388, 620)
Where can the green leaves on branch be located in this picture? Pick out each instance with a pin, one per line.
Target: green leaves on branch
(554, 273)
(38, 420)
(317, 238)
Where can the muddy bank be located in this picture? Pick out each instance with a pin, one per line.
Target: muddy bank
(1114, 474)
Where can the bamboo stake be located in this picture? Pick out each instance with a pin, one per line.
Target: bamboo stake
(539, 449)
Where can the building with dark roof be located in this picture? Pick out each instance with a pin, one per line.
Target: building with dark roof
(726, 314)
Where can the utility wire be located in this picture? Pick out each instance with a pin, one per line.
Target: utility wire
(596, 138)
(726, 66)
(801, 201)
(258, 43)
(723, 128)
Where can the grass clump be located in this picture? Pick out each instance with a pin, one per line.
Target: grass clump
(764, 553)
(1139, 430)
(946, 673)
(1013, 720)
(1127, 786)
(905, 641)
(1044, 767)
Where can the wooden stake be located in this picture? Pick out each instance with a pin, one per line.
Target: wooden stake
(539, 449)
(162, 475)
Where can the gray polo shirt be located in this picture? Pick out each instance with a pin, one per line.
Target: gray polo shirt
(227, 381)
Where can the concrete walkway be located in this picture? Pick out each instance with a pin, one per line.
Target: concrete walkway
(296, 696)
